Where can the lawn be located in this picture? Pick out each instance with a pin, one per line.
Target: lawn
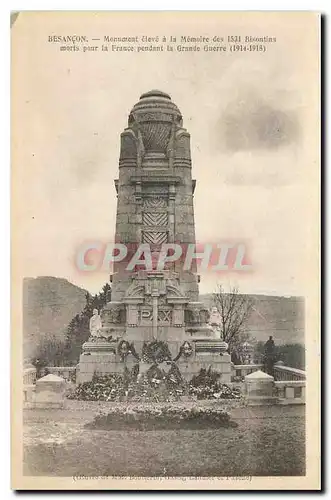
(268, 441)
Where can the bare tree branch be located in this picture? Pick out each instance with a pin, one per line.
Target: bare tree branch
(234, 310)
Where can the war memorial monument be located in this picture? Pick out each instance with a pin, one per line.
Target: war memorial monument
(153, 309)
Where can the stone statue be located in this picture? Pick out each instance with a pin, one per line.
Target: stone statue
(95, 325)
(195, 315)
(215, 317)
(269, 356)
(204, 316)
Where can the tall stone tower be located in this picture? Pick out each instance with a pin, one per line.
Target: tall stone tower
(155, 187)
(155, 206)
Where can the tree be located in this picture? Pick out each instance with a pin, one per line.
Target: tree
(234, 310)
(50, 352)
(78, 330)
(292, 355)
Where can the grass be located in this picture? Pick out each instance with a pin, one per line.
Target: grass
(267, 441)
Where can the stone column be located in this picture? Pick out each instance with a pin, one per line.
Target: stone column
(155, 313)
(259, 388)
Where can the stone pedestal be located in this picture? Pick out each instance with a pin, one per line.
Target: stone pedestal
(219, 364)
(102, 363)
(105, 363)
(259, 388)
(49, 392)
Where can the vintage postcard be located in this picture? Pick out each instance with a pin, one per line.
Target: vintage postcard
(165, 250)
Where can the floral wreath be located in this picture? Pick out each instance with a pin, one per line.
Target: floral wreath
(185, 349)
(125, 348)
(155, 375)
(156, 352)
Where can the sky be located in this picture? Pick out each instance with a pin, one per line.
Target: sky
(253, 123)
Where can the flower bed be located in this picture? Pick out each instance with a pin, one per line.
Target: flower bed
(149, 388)
(206, 385)
(158, 384)
(168, 417)
(105, 388)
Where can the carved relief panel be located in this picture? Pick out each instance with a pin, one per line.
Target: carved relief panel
(155, 218)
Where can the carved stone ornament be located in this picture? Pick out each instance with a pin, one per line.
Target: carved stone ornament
(194, 315)
(187, 349)
(204, 316)
(114, 314)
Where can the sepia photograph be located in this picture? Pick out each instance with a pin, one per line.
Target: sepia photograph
(165, 250)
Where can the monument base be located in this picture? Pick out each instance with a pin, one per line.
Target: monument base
(219, 364)
(101, 363)
(106, 363)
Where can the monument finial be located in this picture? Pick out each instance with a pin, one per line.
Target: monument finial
(155, 93)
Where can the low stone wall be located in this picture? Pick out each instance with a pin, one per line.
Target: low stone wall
(281, 391)
(243, 370)
(281, 372)
(291, 391)
(287, 373)
(262, 389)
(66, 372)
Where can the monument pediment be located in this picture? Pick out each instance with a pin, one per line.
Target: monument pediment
(154, 284)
